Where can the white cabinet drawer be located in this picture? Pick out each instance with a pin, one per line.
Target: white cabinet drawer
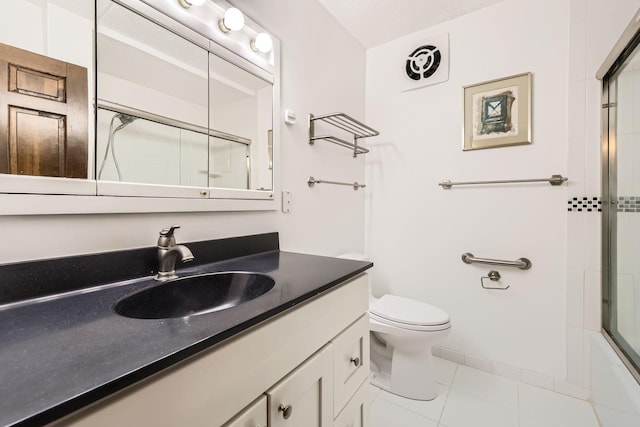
(303, 398)
(356, 413)
(350, 361)
(254, 415)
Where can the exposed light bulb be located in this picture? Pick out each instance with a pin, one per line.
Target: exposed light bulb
(262, 43)
(233, 20)
(188, 3)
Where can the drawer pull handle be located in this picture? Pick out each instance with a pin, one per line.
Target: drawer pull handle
(286, 410)
(355, 361)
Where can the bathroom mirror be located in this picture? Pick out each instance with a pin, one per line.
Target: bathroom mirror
(172, 113)
(174, 107)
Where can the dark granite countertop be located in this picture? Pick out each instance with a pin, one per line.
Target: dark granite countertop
(60, 354)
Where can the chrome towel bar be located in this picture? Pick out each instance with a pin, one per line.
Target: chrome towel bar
(554, 180)
(312, 181)
(521, 263)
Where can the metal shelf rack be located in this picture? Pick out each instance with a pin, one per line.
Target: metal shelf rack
(347, 123)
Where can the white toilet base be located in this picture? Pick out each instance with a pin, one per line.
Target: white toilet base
(381, 380)
(405, 369)
(413, 375)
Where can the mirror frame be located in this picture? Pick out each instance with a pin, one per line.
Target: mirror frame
(32, 195)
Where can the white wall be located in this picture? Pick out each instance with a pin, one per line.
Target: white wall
(417, 232)
(322, 70)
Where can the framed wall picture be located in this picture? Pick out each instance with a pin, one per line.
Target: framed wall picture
(497, 113)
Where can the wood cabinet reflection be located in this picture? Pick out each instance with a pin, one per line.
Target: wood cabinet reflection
(43, 115)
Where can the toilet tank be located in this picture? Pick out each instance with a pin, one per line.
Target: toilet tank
(354, 256)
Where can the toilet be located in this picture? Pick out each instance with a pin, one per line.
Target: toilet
(402, 334)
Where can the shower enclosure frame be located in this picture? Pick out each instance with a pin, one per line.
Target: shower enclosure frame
(608, 73)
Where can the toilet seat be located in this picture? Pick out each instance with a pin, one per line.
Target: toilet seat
(409, 314)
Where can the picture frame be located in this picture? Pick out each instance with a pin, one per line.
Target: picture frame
(497, 113)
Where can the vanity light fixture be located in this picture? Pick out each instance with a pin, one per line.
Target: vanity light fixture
(188, 3)
(233, 20)
(262, 43)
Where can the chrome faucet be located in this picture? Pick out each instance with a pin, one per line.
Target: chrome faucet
(168, 251)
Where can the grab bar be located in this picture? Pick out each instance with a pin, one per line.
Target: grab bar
(554, 180)
(312, 181)
(521, 263)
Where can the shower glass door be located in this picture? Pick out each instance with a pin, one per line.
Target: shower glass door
(621, 188)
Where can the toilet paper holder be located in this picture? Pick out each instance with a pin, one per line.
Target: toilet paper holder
(494, 276)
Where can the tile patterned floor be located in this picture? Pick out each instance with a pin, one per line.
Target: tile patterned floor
(470, 397)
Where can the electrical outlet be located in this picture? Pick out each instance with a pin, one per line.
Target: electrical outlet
(287, 203)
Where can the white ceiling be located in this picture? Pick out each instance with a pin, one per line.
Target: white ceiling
(373, 22)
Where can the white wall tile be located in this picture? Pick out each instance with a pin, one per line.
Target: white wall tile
(635, 189)
(575, 167)
(575, 356)
(593, 241)
(593, 301)
(452, 355)
(575, 297)
(626, 247)
(593, 137)
(626, 307)
(587, 357)
(536, 379)
(577, 39)
(506, 371)
(625, 158)
(635, 93)
(477, 363)
(624, 122)
(577, 109)
(636, 292)
(435, 350)
(576, 236)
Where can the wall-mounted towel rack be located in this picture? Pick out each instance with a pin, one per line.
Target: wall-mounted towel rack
(347, 123)
(521, 263)
(554, 180)
(312, 181)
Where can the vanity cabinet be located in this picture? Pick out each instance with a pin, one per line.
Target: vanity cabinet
(305, 367)
(255, 415)
(303, 398)
(350, 361)
(356, 412)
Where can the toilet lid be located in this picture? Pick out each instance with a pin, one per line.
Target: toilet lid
(408, 311)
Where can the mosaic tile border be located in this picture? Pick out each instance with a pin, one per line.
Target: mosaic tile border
(594, 204)
(629, 204)
(586, 204)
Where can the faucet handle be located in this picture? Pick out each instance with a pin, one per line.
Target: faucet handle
(168, 232)
(166, 239)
